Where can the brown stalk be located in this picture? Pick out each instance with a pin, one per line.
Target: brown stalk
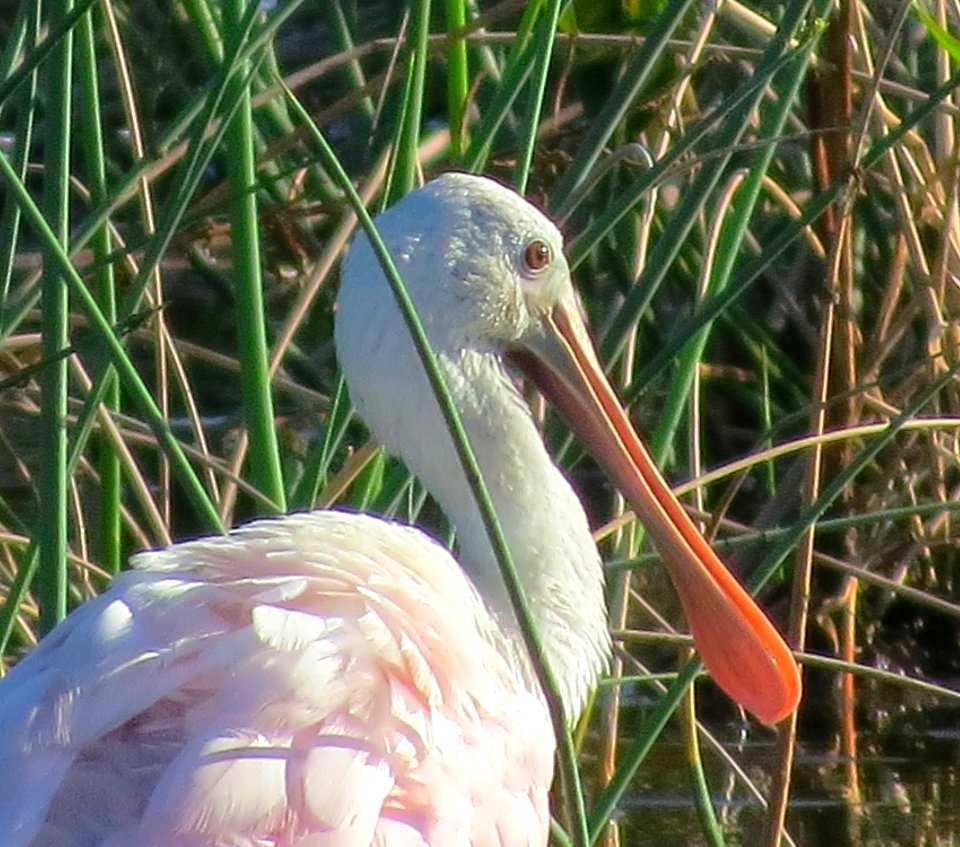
(830, 99)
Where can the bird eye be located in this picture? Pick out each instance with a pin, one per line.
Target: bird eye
(537, 255)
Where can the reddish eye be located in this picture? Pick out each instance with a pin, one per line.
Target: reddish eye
(537, 255)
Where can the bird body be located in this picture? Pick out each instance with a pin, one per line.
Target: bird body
(324, 679)
(334, 680)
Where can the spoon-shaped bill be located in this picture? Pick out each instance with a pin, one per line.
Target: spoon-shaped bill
(739, 645)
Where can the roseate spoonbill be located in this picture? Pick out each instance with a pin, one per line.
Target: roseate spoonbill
(335, 679)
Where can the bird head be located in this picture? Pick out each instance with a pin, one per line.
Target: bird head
(480, 263)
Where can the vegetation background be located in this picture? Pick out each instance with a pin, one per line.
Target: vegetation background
(761, 207)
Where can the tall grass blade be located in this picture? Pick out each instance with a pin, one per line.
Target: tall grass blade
(519, 66)
(264, 455)
(458, 76)
(57, 76)
(546, 35)
(27, 30)
(724, 138)
(109, 529)
(404, 176)
(60, 27)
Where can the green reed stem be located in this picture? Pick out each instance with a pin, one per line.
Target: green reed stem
(545, 40)
(404, 177)
(519, 66)
(264, 455)
(29, 26)
(111, 495)
(622, 98)
(54, 321)
(458, 76)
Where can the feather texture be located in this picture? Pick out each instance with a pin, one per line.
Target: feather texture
(325, 679)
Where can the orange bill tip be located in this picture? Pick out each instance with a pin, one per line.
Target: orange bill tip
(741, 648)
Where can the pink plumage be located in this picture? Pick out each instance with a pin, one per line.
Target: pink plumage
(324, 679)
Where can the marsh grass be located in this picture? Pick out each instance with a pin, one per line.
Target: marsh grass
(762, 214)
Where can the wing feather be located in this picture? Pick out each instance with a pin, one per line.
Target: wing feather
(324, 679)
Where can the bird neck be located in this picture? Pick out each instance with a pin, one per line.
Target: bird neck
(543, 521)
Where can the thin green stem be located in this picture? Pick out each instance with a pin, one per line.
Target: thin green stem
(55, 314)
(709, 824)
(30, 22)
(546, 37)
(61, 27)
(519, 67)
(205, 23)
(16, 594)
(404, 178)
(264, 454)
(109, 526)
(458, 76)
(724, 140)
(345, 43)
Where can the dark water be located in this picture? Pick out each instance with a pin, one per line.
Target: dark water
(901, 789)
